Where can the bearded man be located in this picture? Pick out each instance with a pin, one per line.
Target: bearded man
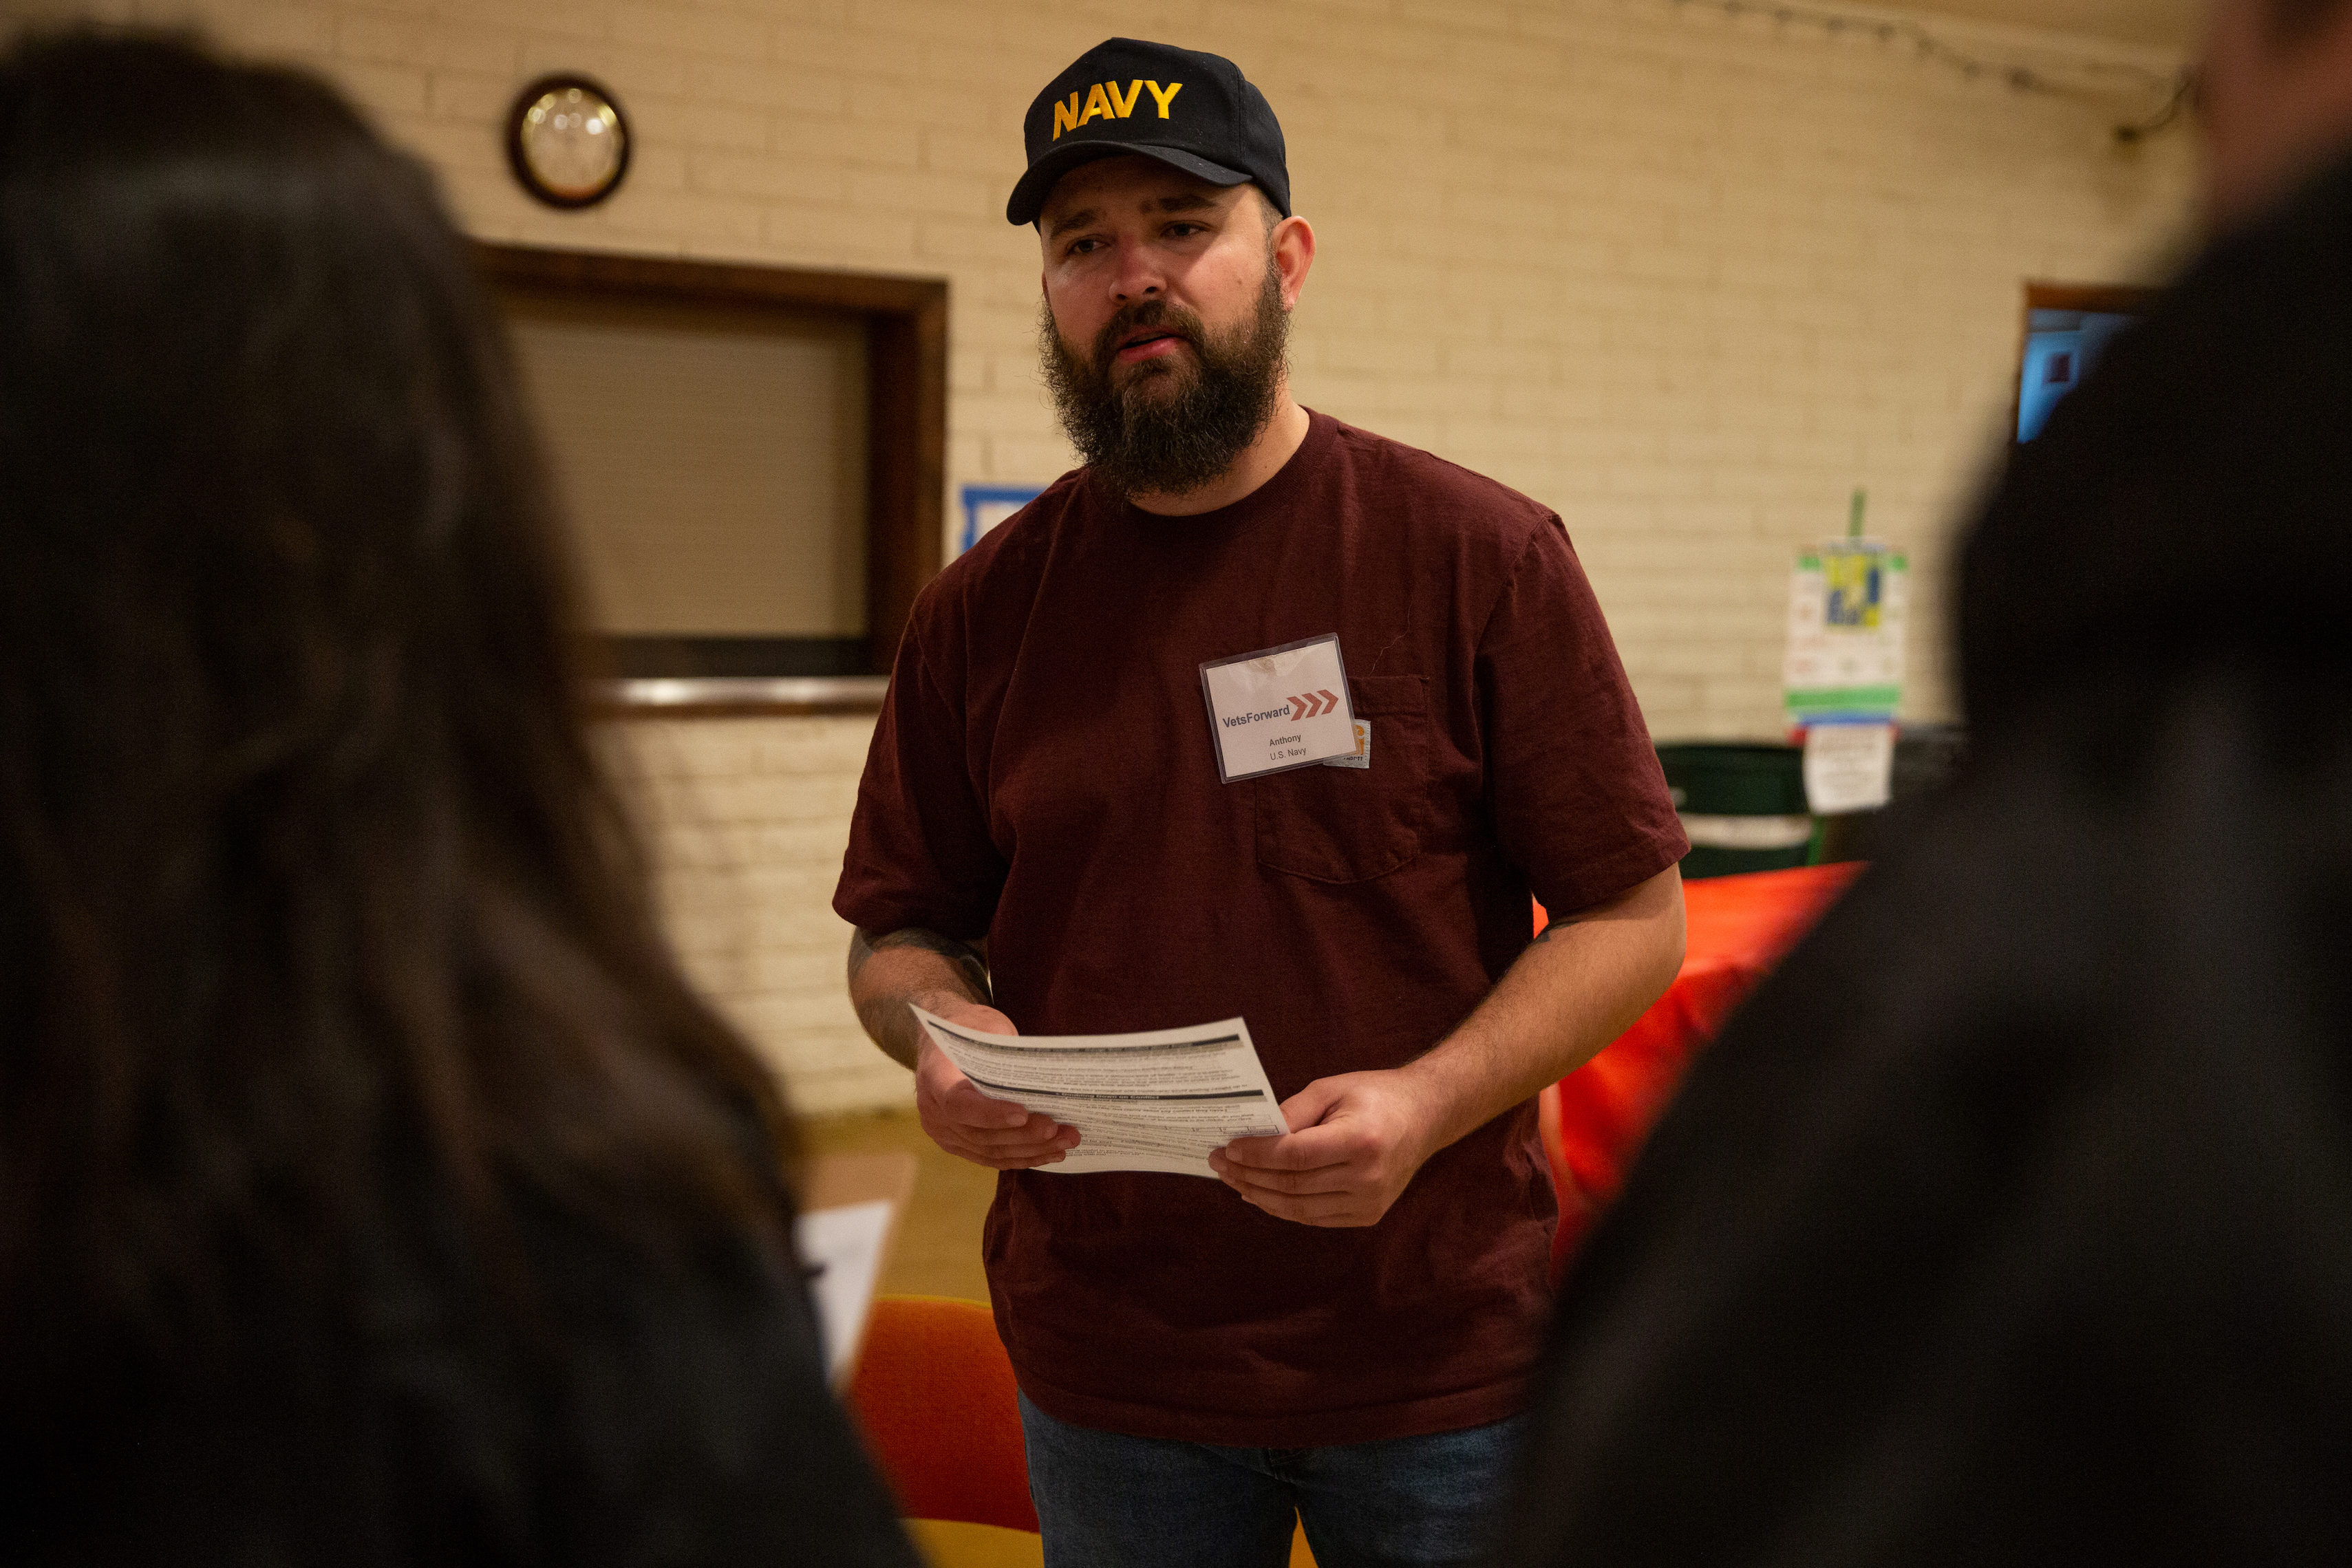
(1052, 834)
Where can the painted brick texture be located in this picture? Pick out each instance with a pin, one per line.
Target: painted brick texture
(1686, 278)
(749, 818)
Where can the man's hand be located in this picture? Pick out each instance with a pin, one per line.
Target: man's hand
(1361, 1138)
(968, 1124)
(943, 975)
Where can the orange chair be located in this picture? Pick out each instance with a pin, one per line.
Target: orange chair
(934, 1394)
(1595, 1119)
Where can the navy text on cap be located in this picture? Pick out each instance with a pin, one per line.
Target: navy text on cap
(1189, 110)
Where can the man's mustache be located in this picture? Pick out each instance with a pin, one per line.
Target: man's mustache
(1159, 313)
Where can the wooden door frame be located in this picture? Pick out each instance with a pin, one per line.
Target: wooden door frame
(906, 380)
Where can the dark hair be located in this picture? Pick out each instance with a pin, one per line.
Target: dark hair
(2299, 21)
(2189, 503)
(306, 856)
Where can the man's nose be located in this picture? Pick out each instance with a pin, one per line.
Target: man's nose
(1138, 275)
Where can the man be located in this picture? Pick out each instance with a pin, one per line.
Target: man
(2009, 1224)
(1046, 836)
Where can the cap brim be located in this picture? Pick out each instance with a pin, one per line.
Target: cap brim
(1029, 195)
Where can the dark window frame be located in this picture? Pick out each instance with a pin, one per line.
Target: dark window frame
(907, 375)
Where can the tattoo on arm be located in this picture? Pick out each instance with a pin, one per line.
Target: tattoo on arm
(967, 959)
(886, 1018)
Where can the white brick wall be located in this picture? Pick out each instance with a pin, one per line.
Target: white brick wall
(749, 818)
(1684, 277)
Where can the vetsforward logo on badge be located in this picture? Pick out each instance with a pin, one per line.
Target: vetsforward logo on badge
(1278, 708)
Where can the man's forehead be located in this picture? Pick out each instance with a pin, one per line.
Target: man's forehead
(1115, 187)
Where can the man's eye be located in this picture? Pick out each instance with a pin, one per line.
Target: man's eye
(1186, 231)
(1084, 246)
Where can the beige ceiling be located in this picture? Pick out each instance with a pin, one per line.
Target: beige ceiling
(2170, 23)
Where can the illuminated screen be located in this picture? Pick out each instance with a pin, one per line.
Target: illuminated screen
(2060, 348)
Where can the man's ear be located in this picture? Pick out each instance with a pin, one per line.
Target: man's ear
(1291, 251)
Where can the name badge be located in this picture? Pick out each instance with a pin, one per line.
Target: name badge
(1278, 708)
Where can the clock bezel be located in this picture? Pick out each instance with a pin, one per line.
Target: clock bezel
(528, 177)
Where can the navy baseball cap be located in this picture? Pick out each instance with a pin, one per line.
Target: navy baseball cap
(1189, 110)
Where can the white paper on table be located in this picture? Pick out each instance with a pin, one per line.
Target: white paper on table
(845, 1246)
(1154, 1101)
(1849, 768)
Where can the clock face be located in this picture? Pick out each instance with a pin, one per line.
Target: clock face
(568, 142)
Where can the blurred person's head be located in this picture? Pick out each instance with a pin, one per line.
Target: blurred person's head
(2275, 88)
(2191, 505)
(306, 862)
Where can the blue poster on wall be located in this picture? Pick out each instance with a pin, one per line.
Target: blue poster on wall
(985, 505)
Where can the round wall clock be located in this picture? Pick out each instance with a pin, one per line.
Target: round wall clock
(568, 142)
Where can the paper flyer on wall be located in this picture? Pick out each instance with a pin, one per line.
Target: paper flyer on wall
(1849, 768)
(1154, 1102)
(1848, 601)
(1843, 676)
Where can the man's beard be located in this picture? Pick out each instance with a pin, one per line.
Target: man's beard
(1145, 438)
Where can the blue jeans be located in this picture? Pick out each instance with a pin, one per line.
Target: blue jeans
(1106, 1500)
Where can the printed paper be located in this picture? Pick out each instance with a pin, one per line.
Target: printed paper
(1154, 1101)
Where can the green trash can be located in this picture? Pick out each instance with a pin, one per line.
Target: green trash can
(1743, 807)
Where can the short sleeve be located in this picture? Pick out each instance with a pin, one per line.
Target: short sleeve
(919, 849)
(1580, 802)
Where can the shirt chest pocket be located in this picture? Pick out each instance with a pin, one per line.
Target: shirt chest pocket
(1352, 824)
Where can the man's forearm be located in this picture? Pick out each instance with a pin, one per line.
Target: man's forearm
(1582, 984)
(889, 970)
(1358, 1139)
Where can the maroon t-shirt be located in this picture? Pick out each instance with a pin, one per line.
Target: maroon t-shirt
(1044, 776)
